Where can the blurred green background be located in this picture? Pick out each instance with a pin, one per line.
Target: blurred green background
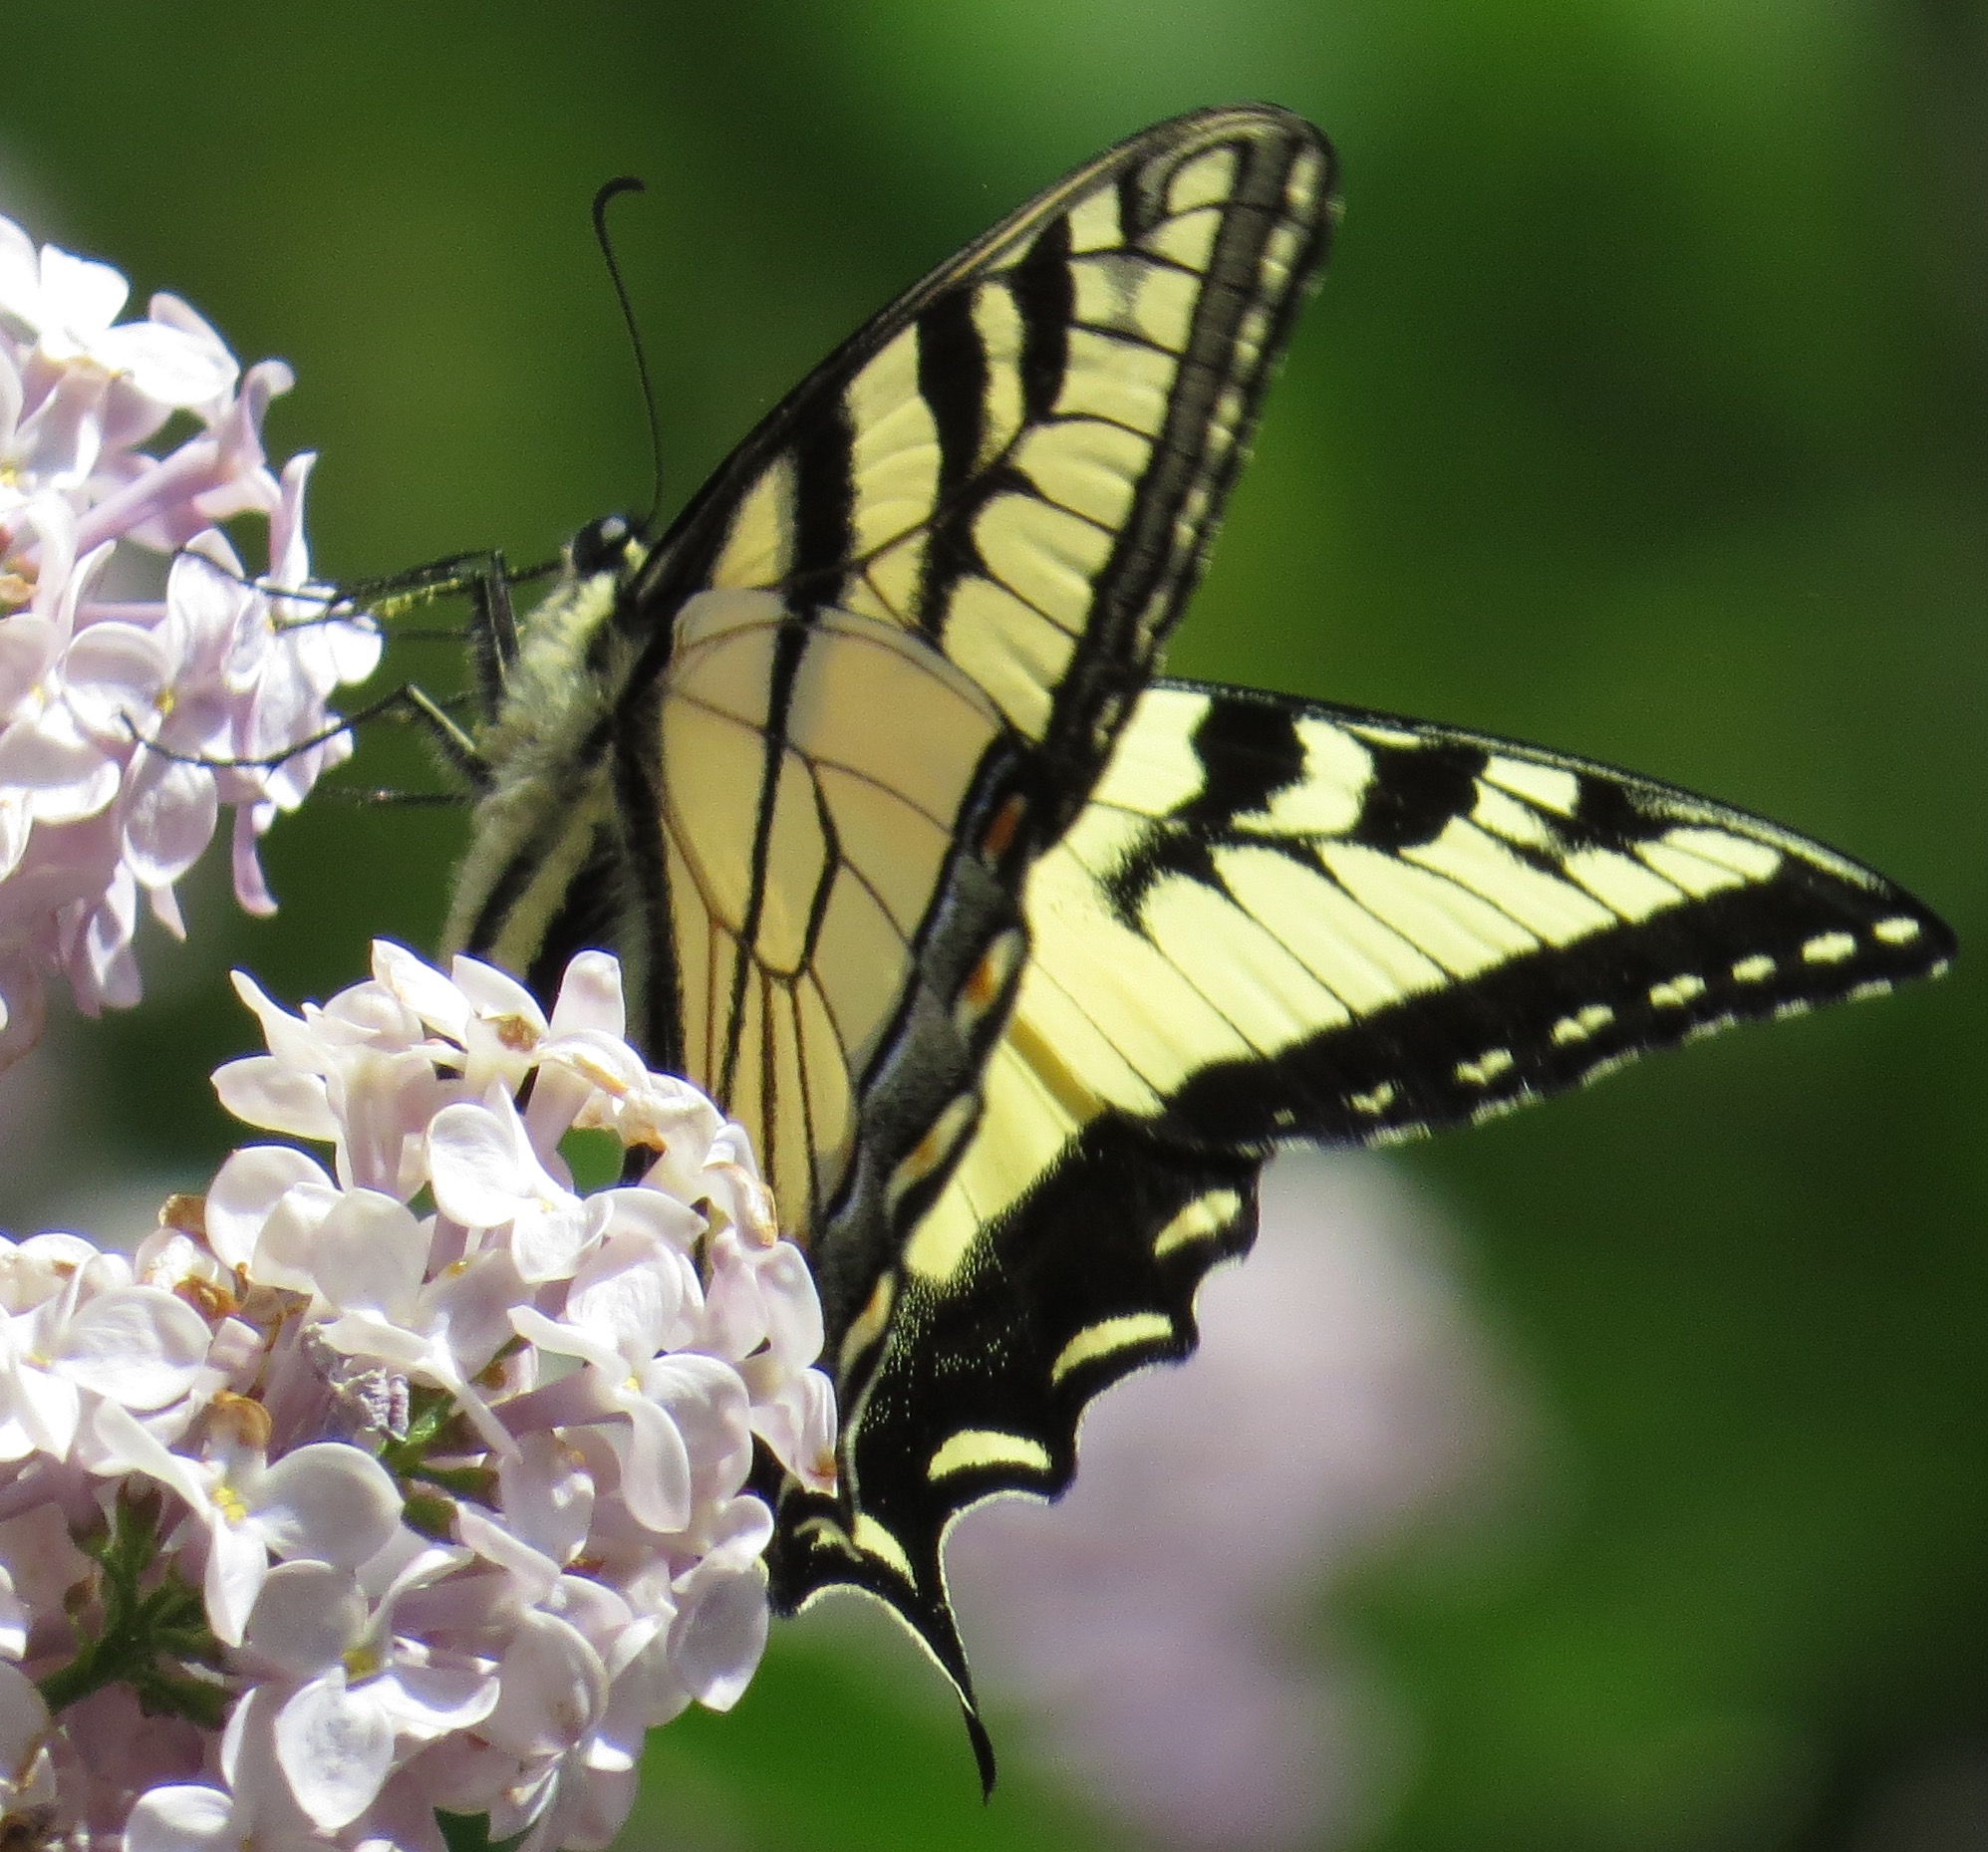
(1643, 414)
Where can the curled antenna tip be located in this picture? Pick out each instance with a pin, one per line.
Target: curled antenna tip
(612, 190)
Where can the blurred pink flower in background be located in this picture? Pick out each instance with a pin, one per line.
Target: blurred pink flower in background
(1150, 1636)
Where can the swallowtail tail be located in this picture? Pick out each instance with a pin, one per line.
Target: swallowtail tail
(1016, 960)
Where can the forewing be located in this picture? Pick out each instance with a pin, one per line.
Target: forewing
(1023, 459)
(1013, 472)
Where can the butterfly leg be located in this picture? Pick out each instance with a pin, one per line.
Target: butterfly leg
(485, 580)
(405, 703)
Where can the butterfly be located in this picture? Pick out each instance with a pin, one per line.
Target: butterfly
(1017, 959)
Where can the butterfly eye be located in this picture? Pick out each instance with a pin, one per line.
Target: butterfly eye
(602, 545)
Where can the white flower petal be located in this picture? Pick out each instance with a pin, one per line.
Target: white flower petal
(80, 296)
(139, 1346)
(590, 996)
(246, 1188)
(426, 1702)
(23, 1718)
(423, 989)
(548, 1497)
(20, 277)
(552, 1689)
(719, 1632)
(237, 1566)
(260, 1091)
(370, 1254)
(166, 364)
(473, 1162)
(656, 1468)
(171, 810)
(631, 1291)
(497, 996)
(182, 1817)
(335, 1748)
(328, 1501)
(306, 1617)
(547, 1240)
(28, 647)
(284, 1247)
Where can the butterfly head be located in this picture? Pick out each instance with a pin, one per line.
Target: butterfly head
(612, 544)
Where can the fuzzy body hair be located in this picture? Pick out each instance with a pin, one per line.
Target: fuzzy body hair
(550, 796)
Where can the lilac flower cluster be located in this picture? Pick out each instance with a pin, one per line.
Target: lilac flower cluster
(132, 693)
(410, 1481)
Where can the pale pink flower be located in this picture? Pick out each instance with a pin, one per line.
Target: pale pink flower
(444, 1460)
(68, 308)
(126, 729)
(359, 1690)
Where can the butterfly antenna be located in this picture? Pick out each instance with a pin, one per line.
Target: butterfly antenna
(613, 190)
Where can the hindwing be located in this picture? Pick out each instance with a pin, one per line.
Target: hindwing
(1277, 920)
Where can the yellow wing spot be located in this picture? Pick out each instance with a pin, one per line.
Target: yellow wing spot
(929, 1154)
(1108, 1337)
(1622, 884)
(1751, 860)
(872, 1539)
(1252, 332)
(1094, 223)
(1382, 735)
(867, 1327)
(825, 1530)
(1300, 189)
(1113, 379)
(1208, 181)
(1870, 988)
(1754, 969)
(1897, 931)
(1582, 1024)
(1279, 258)
(1677, 992)
(1510, 817)
(998, 322)
(1130, 295)
(975, 1449)
(761, 538)
(1549, 787)
(1411, 1132)
(1202, 1220)
(1829, 948)
(1188, 239)
(1794, 1006)
(1486, 1068)
(1375, 1103)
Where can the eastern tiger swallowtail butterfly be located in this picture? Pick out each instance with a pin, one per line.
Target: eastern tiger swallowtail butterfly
(1016, 960)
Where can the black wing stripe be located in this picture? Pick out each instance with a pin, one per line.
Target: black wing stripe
(791, 646)
(1045, 295)
(825, 532)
